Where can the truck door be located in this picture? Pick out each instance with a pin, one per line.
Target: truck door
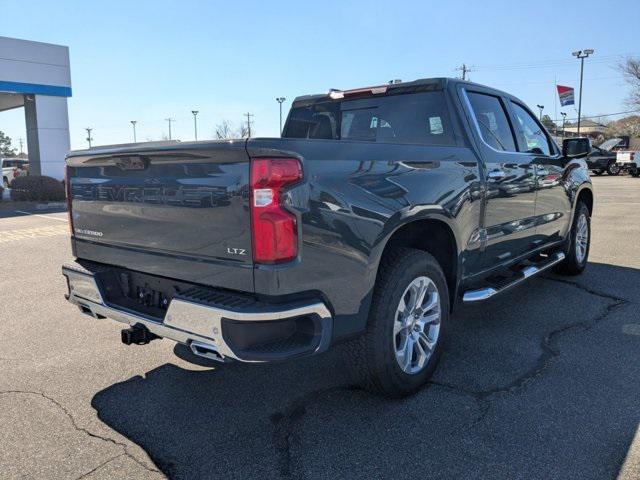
(553, 203)
(510, 179)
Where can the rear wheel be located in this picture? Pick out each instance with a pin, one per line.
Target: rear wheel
(613, 169)
(5, 182)
(598, 172)
(403, 341)
(635, 173)
(578, 244)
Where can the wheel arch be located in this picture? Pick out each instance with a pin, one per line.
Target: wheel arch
(585, 195)
(434, 236)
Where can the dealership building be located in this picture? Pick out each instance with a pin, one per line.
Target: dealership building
(36, 76)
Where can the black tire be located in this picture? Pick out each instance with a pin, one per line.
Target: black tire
(613, 169)
(372, 357)
(572, 264)
(635, 173)
(5, 182)
(598, 172)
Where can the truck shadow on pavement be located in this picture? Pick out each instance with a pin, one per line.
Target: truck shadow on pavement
(542, 382)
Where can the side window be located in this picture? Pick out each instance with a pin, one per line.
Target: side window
(492, 120)
(416, 118)
(532, 132)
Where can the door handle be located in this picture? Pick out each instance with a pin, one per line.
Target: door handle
(496, 174)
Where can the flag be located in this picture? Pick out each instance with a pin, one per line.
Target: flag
(566, 95)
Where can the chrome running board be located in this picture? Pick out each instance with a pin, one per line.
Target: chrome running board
(481, 294)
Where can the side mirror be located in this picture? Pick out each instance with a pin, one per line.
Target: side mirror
(576, 147)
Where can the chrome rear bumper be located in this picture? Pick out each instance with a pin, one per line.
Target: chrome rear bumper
(197, 325)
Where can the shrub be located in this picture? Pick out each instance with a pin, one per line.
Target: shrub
(36, 188)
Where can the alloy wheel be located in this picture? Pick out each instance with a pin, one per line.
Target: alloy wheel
(416, 328)
(582, 238)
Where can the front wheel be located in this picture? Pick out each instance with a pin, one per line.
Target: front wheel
(578, 244)
(613, 169)
(403, 341)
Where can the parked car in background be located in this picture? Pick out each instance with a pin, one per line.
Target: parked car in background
(603, 158)
(629, 161)
(628, 156)
(378, 210)
(11, 168)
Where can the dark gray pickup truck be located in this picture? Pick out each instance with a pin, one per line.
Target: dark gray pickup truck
(378, 210)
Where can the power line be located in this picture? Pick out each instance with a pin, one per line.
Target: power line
(597, 116)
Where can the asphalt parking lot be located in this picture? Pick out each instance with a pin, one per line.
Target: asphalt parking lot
(543, 382)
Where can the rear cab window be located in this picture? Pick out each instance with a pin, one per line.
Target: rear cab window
(416, 118)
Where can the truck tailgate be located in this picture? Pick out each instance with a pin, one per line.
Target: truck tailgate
(180, 211)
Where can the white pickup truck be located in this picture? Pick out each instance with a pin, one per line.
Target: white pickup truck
(629, 161)
(11, 168)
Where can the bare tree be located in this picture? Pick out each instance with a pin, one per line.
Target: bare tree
(243, 130)
(625, 126)
(226, 131)
(630, 69)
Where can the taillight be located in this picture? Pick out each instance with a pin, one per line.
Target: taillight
(275, 238)
(67, 191)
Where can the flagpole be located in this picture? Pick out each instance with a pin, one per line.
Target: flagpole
(555, 102)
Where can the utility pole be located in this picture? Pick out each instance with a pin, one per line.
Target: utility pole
(89, 139)
(169, 120)
(581, 54)
(564, 117)
(280, 100)
(464, 69)
(20, 142)
(195, 124)
(249, 115)
(133, 123)
(541, 108)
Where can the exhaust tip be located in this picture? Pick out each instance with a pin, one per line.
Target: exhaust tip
(206, 351)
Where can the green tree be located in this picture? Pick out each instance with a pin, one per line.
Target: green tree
(6, 150)
(548, 123)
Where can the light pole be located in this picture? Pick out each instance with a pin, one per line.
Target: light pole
(89, 135)
(581, 54)
(280, 100)
(195, 124)
(541, 108)
(564, 117)
(169, 120)
(133, 124)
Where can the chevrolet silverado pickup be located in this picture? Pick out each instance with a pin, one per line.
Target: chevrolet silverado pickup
(376, 213)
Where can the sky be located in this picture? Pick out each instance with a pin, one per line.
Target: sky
(151, 60)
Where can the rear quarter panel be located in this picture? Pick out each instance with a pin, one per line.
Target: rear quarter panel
(353, 197)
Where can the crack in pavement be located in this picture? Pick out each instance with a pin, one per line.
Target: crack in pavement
(82, 429)
(549, 351)
(286, 420)
(95, 469)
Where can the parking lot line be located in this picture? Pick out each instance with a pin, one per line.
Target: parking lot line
(42, 215)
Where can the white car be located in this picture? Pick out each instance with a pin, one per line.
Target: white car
(11, 168)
